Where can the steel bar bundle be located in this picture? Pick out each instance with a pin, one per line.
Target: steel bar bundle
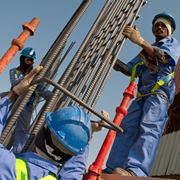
(48, 61)
(91, 66)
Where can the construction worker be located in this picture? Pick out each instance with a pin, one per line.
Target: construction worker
(26, 65)
(61, 147)
(173, 123)
(28, 55)
(133, 152)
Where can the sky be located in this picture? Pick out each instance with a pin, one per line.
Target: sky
(53, 16)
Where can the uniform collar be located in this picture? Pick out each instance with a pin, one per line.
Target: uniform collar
(162, 41)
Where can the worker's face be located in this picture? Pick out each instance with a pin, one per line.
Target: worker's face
(160, 30)
(28, 61)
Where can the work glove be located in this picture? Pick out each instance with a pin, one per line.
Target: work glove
(25, 83)
(133, 35)
(98, 126)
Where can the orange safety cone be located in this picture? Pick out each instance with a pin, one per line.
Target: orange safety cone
(95, 169)
(18, 44)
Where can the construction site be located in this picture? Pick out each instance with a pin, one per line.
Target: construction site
(80, 76)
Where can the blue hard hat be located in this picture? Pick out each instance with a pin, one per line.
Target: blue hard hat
(166, 16)
(71, 126)
(29, 52)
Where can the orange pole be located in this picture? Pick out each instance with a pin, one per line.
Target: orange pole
(18, 44)
(95, 169)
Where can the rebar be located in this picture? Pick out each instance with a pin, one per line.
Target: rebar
(47, 61)
(91, 66)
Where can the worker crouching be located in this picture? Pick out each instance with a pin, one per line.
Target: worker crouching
(61, 147)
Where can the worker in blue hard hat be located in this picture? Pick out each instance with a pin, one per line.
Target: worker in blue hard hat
(134, 151)
(17, 74)
(27, 57)
(61, 147)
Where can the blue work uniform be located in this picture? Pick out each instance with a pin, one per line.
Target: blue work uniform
(135, 149)
(24, 120)
(73, 169)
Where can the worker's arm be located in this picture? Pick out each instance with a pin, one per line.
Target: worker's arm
(44, 92)
(7, 158)
(155, 53)
(5, 108)
(10, 98)
(122, 67)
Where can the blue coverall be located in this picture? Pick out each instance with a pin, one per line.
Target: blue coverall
(135, 149)
(24, 120)
(38, 167)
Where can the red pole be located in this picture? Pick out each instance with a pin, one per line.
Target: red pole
(18, 44)
(95, 169)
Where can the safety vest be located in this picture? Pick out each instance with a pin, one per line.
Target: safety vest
(157, 85)
(22, 171)
(17, 73)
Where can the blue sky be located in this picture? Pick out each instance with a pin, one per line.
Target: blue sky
(54, 15)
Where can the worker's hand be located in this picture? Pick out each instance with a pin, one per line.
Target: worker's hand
(133, 35)
(25, 83)
(98, 126)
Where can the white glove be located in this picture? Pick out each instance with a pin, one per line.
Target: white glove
(25, 83)
(133, 35)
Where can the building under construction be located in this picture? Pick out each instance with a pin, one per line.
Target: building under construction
(83, 80)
